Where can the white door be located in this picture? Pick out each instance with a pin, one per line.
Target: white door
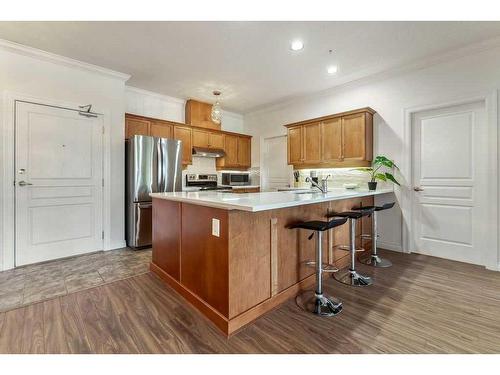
(58, 190)
(450, 194)
(276, 171)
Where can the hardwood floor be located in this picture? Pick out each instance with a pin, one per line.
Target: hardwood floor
(420, 305)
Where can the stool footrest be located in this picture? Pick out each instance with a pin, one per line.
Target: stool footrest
(368, 236)
(325, 267)
(348, 248)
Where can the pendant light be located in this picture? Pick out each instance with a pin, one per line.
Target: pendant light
(216, 109)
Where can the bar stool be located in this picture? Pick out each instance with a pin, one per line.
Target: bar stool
(351, 276)
(318, 302)
(374, 260)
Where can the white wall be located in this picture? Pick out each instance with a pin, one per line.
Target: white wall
(473, 74)
(40, 76)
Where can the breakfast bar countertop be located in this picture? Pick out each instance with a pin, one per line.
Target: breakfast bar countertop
(255, 202)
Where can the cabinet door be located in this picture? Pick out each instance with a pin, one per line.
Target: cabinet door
(160, 129)
(231, 149)
(184, 134)
(244, 152)
(331, 140)
(215, 140)
(354, 137)
(312, 143)
(136, 127)
(295, 145)
(200, 138)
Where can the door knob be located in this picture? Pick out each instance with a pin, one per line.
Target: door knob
(23, 183)
(418, 188)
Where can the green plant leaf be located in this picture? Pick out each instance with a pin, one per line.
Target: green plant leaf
(385, 161)
(391, 178)
(381, 176)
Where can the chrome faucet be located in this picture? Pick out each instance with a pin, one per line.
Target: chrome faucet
(324, 184)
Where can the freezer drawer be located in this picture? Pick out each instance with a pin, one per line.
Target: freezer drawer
(140, 226)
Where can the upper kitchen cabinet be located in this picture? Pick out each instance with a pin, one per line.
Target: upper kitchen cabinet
(136, 126)
(339, 140)
(357, 137)
(184, 134)
(215, 140)
(208, 139)
(200, 138)
(200, 114)
(161, 129)
(295, 149)
(238, 152)
(244, 152)
(311, 134)
(331, 140)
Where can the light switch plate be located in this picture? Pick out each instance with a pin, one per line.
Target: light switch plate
(216, 227)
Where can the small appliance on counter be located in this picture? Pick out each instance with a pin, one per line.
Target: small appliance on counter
(235, 179)
(153, 165)
(203, 182)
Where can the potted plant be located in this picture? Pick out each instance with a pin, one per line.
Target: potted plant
(378, 171)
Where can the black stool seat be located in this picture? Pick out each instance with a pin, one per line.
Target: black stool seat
(319, 225)
(352, 214)
(385, 206)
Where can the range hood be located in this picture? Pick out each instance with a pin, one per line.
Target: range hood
(208, 152)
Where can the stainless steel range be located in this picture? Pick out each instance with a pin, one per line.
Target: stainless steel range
(203, 182)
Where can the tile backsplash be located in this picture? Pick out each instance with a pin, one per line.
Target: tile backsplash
(339, 176)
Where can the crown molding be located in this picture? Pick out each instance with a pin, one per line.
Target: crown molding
(60, 60)
(370, 77)
(137, 90)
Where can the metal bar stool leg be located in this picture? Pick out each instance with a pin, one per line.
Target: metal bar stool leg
(375, 260)
(316, 301)
(351, 276)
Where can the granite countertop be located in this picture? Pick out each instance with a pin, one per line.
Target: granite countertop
(254, 202)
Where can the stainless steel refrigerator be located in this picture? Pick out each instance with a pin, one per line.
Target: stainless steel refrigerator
(152, 165)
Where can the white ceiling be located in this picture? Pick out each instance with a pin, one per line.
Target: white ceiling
(250, 62)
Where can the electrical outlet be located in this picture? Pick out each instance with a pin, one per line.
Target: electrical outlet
(216, 227)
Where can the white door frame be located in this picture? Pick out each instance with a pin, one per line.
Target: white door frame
(491, 259)
(7, 160)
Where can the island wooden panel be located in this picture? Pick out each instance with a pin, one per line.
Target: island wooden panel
(167, 236)
(249, 260)
(257, 263)
(204, 257)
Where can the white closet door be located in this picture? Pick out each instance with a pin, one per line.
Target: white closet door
(450, 182)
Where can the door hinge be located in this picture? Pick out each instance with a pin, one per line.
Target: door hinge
(102, 235)
(102, 182)
(103, 130)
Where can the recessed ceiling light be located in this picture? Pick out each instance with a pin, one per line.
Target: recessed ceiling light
(332, 69)
(297, 45)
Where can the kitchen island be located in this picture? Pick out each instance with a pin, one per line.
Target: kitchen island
(234, 257)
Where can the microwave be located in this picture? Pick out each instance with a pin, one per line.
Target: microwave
(235, 179)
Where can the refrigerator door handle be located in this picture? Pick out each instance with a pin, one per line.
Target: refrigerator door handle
(159, 164)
